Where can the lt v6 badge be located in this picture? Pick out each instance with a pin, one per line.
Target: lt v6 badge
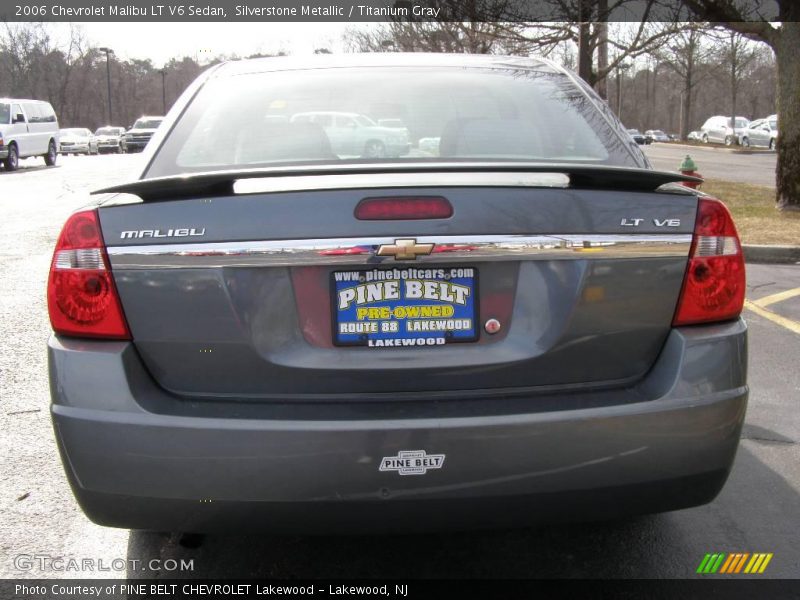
(657, 222)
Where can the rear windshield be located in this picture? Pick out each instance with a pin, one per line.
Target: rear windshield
(107, 131)
(147, 124)
(5, 113)
(334, 115)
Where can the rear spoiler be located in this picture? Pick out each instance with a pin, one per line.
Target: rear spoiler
(568, 175)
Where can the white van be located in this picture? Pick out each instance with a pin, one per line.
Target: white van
(27, 128)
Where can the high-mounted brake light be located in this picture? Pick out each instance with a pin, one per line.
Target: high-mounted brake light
(714, 284)
(81, 297)
(404, 208)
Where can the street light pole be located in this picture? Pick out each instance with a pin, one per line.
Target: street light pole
(164, 90)
(108, 52)
(621, 69)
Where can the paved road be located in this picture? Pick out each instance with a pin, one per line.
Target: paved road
(758, 511)
(716, 163)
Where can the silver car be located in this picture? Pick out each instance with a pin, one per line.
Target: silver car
(718, 129)
(354, 134)
(529, 325)
(77, 140)
(762, 132)
(108, 139)
(656, 135)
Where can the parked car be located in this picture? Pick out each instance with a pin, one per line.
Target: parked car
(656, 135)
(27, 128)
(137, 137)
(718, 129)
(109, 138)
(637, 136)
(429, 145)
(354, 134)
(694, 135)
(77, 140)
(762, 132)
(533, 325)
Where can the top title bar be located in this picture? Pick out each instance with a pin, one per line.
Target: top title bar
(378, 10)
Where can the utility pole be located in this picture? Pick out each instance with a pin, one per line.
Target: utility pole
(164, 89)
(108, 52)
(621, 69)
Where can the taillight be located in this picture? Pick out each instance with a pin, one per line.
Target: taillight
(714, 284)
(81, 297)
(404, 208)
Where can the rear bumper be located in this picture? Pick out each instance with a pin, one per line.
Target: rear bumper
(134, 144)
(76, 149)
(137, 458)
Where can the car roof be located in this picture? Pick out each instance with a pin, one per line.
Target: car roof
(382, 59)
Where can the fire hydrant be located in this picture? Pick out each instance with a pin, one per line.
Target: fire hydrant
(689, 168)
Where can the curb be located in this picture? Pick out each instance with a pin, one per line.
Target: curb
(788, 255)
(713, 148)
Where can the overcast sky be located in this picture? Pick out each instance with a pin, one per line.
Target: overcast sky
(161, 41)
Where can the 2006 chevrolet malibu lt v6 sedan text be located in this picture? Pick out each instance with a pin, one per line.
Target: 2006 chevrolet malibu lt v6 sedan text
(522, 322)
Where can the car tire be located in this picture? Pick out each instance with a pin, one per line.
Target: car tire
(772, 144)
(52, 154)
(728, 140)
(12, 160)
(374, 149)
(705, 138)
(746, 142)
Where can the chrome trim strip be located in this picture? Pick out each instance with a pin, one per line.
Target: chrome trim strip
(296, 183)
(362, 251)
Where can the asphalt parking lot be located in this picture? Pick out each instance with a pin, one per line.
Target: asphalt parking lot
(758, 510)
(713, 162)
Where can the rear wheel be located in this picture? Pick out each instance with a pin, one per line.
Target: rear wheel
(745, 142)
(50, 157)
(728, 140)
(705, 138)
(12, 160)
(374, 149)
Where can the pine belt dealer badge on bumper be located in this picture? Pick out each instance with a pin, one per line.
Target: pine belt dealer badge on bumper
(412, 462)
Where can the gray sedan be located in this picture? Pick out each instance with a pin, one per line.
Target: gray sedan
(762, 133)
(530, 324)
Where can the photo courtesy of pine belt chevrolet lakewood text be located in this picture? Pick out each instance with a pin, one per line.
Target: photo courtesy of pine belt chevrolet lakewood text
(393, 292)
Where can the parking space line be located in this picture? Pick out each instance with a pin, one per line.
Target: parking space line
(779, 297)
(777, 319)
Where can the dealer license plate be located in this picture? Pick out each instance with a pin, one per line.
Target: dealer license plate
(404, 306)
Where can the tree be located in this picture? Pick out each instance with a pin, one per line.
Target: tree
(737, 52)
(784, 39)
(684, 54)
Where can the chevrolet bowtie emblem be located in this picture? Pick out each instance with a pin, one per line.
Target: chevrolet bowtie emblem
(405, 249)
